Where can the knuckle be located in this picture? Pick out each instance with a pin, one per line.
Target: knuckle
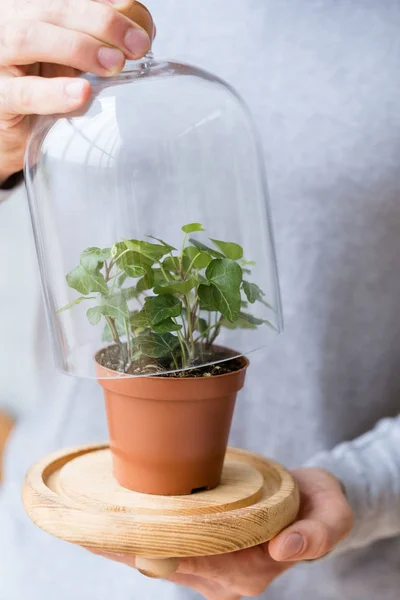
(16, 36)
(252, 589)
(77, 48)
(107, 18)
(348, 519)
(54, 11)
(9, 125)
(324, 542)
(22, 96)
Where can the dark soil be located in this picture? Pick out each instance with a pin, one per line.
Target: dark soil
(228, 366)
(111, 358)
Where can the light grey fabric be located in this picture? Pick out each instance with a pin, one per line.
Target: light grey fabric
(322, 79)
(369, 468)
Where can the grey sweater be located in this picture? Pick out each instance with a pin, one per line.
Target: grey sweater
(322, 80)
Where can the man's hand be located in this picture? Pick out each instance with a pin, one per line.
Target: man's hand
(325, 519)
(44, 45)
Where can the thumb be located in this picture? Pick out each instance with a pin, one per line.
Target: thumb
(325, 519)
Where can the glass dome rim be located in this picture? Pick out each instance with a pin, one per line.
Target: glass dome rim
(62, 368)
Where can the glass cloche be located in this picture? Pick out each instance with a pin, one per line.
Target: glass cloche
(151, 222)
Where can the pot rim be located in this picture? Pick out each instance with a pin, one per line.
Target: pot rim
(118, 375)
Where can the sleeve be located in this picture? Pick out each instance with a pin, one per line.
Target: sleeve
(369, 468)
(10, 184)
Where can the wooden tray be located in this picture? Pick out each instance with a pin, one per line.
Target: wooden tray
(73, 495)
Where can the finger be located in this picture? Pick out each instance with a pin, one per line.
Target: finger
(326, 520)
(208, 589)
(126, 559)
(27, 42)
(100, 20)
(245, 573)
(40, 96)
(14, 136)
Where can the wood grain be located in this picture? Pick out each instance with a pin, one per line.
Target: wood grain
(72, 495)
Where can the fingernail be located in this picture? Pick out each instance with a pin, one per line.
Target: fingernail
(110, 58)
(137, 41)
(75, 89)
(292, 546)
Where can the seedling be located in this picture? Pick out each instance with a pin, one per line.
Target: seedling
(164, 304)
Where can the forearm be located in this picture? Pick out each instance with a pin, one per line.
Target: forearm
(369, 468)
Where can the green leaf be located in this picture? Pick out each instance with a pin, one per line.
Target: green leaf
(201, 325)
(200, 259)
(223, 294)
(206, 297)
(248, 263)
(170, 248)
(156, 345)
(94, 315)
(159, 308)
(139, 320)
(113, 306)
(158, 276)
(133, 263)
(204, 248)
(166, 326)
(251, 319)
(238, 324)
(143, 285)
(147, 282)
(126, 293)
(151, 251)
(137, 271)
(229, 249)
(85, 282)
(253, 292)
(93, 258)
(117, 249)
(247, 321)
(176, 287)
(77, 301)
(171, 263)
(120, 327)
(122, 279)
(192, 227)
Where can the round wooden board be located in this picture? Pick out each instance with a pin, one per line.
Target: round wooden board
(73, 496)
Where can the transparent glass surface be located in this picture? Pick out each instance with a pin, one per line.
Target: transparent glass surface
(160, 146)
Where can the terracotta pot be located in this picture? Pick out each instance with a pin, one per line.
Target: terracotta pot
(169, 436)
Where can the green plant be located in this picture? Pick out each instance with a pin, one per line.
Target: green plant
(183, 297)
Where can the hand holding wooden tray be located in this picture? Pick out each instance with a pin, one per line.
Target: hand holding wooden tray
(73, 495)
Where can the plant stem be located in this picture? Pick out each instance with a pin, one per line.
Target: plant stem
(175, 362)
(205, 334)
(128, 343)
(113, 330)
(190, 325)
(108, 269)
(192, 263)
(115, 336)
(182, 344)
(163, 271)
(183, 247)
(216, 331)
